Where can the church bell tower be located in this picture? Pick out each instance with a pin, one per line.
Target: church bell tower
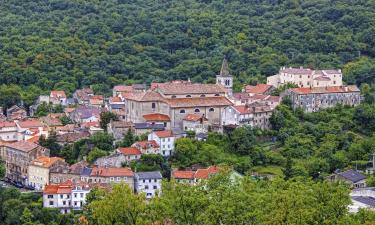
(225, 78)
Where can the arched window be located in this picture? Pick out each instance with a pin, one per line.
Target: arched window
(153, 105)
(217, 94)
(197, 110)
(173, 96)
(188, 96)
(211, 110)
(182, 111)
(202, 96)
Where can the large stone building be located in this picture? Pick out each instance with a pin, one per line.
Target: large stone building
(18, 156)
(176, 99)
(306, 77)
(314, 99)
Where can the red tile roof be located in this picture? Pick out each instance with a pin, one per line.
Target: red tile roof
(129, 151)
(69, 110)
(31, 123)
(45, 161)
(194, 117)
(24, 146)
(186, 87)
(7, 124)
(157, 117)
(34, 139)
(57, 94)
(206, 173)
(115, 99)
(258, 89)
(96, 100)
(323, 90)
(243, 109)
(196, 102)
(112, 172)
(164, 133)
(145, 144)
(180, 174)
(123, 88)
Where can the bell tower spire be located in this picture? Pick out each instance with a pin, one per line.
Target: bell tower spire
(225, 78)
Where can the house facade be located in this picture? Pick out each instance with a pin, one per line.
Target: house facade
(314, 99)
(19, 155)
(148, 183)
(165, 139)
(306, 77)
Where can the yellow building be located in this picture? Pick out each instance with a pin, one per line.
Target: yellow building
(39, 170)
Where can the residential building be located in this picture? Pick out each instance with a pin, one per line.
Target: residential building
(96, 101)
(148, 183)
(195, 122)
(114, 160)
(181, 176)
(62, 173)
(143, 128)
(362, 198)
(83, 114)
(8, 131)
(111, 175)
(130, 153)
(119, 128)
(254, 115)
(82, 96)
(70, 138)
(68, 196)
(19, 155)
(314, 99)
(306, 77)
(147, 147)
(52, 122)
(350, 177)
(57, 98)
(262, 89)
(30, 128)
(121, 89)
(158, 118)
(165, 139)
(16, 113)
(39, 170)
(117, 106)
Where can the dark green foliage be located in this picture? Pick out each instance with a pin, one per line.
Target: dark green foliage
(51, 144)
(69, 44)
(129, 139)
(152, 162)
(105, 118)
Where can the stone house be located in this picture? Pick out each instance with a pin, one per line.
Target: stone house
(195, 122)
(350, 177)
(111, 175)
(314, 99)
(8, 131)
(39, 170)
(262, 89)
(82, 96)
(62, 173)
(148, 183)
(19, 155)
(119, 128)
(16, 113)
(158, 118)
(147, 147)
(306, 77)
(254, 115)
(84, 114)
(57, 98)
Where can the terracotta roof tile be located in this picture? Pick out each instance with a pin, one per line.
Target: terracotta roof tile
(186, 87)
(123, 88)
(112, 172)
(180, 174)
(243, 109)
(206, 173)
(258, 89)
(45, 161)
(194, 117)
(196, 102)
(164, 133)
(129, 151)
(323, 90)
(156, 117)
(57, 94)
(7, 124)
(31, 123)
(24, 146)
(145, 144)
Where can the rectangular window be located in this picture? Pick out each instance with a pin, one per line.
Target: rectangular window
(155, 187)
(146, 187)
(50, 196)
(81, 195)
(50, 202)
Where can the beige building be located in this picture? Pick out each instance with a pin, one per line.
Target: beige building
(106, 175)
(18, 158)
(39, 170)
(306, 77)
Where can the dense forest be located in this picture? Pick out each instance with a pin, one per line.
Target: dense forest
(66, 44)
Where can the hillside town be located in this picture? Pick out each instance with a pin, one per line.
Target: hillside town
(163, 113)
